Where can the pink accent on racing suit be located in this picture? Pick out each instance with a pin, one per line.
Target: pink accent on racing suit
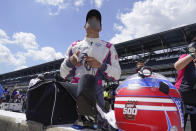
(102, 51)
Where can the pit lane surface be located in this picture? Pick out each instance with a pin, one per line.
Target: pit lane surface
(13, 121)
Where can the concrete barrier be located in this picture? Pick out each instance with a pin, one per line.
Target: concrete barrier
(11, 106)
(12, 121)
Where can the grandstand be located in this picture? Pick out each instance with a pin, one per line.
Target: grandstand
(160, 51)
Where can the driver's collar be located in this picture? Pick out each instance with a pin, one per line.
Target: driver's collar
(93, 40)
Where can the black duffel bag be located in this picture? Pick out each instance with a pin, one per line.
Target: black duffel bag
(49, 103)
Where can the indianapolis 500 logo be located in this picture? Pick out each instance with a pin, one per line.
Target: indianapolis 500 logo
(130, 110)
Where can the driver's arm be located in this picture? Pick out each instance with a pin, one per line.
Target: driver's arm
(110, 69)
(67, 69)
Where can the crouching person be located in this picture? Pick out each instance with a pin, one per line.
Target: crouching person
(92, 56)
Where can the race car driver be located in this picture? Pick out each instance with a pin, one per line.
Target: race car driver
(101, 58)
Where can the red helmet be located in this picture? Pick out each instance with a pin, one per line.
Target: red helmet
(140, 105)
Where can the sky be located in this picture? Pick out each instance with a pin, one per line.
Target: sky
(33, 32)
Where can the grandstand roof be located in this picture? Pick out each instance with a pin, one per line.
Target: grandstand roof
(167, 39)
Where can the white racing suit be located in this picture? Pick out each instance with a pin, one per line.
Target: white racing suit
(102, 51)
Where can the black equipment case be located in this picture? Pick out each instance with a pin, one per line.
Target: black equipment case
(49, 103)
